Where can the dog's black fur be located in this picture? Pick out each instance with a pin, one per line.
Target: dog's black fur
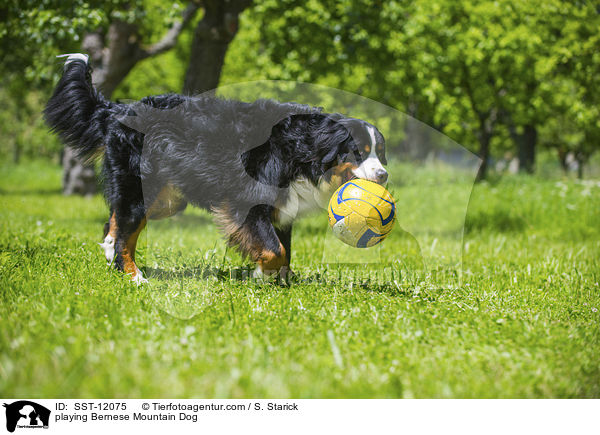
(236, 159)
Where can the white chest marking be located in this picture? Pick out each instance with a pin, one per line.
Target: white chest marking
(303, 197)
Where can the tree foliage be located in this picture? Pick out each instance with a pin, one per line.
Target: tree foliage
(497, 76)
(32, 33)
(490, 74)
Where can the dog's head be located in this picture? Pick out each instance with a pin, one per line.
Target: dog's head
(353, 148)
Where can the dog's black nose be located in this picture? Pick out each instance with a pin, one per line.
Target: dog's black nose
(381, 175)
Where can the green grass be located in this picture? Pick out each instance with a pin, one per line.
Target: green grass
(519, 318)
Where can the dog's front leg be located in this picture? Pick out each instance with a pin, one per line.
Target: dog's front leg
(257, 238)
(129, 228)
(271, 245)
(285, 237)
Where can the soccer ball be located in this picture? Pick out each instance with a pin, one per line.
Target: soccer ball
(361, 213)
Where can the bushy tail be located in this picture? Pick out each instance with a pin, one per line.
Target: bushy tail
(77, 111)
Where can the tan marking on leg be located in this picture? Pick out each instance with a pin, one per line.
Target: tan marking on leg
(112, 231)
(271, 262)
(128, 253)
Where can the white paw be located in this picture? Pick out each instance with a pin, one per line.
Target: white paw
(262, 276)
(138, 278)
(258, 274)
(109, 248)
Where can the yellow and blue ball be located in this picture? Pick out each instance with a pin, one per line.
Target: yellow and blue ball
(361, 213)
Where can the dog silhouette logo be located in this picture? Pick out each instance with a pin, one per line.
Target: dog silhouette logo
(26, 414)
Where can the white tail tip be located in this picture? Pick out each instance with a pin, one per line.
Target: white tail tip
(74, 56)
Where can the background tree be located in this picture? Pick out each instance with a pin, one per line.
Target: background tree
(500, 77)
(118, 36)
(111, 32)
(573, 128)
(211, 40)
(114, 50)
(482, 73)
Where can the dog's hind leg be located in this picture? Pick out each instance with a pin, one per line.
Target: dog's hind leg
(125, 196)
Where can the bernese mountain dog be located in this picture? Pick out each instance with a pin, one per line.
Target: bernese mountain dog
(257, 166)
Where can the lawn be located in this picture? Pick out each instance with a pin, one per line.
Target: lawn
(519, 317)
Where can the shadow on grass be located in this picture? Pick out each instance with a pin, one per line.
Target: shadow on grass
(200, 272)
(402, 286)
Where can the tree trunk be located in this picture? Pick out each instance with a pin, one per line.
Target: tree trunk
(79, 176)
(111, 61)
(109, 67)
(213, 34)
(18, 142)
(562, 158)
(526, 143)
(484, 153)
(16, 151)
(111, 64)
(484, 136)
(581, 158)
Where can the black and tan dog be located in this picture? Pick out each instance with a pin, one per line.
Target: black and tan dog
(256, 166)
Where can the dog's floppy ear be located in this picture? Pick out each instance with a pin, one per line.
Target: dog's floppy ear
(383, 158)
(332, 154)
(381, 139)
(332, 141)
